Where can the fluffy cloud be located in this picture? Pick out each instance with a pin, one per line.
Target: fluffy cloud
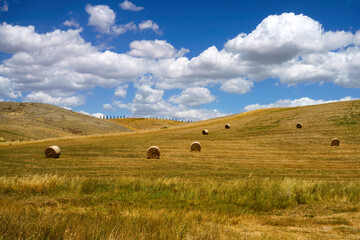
(18, 39)
(127, 5)
(121, 91)
(149, 24)
(237, 85)
(194, 96)
(119, 104)
(71, 23)
(147, 95)
(42, 97)
(102, 17)
(215, 64)
(149, 102)
(108, 107)
(98, 115)
(198, 114)
(279, 38)
(85, 113)
(288, 47)
(62, 61)
(295, 49)
(6, 89)
(120, 29)
(339, 67)
(305, 101)
(154, 49)
(211, 66)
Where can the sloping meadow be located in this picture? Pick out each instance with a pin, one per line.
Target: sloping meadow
(261, 179)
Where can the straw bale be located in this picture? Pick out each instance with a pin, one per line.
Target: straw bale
(299, 125)
(153, 152)
(227, 126)
(52, 152)
(205, 132)
(195, 146)
(335, 142)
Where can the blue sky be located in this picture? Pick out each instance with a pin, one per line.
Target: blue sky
(181, 59)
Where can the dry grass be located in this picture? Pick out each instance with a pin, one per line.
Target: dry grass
(143, 124)
(261, 179)
(29, 121)
(52, 206)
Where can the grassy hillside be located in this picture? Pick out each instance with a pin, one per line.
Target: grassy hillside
(27, 121)
(138, 124)
(261, 179)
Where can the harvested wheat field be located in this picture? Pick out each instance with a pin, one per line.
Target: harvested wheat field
(145, 124)
(263, 179)
(34, 121)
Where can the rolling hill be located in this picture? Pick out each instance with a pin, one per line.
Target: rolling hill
(257, 142)
(138, 124)
(26, 121)
(261, 179)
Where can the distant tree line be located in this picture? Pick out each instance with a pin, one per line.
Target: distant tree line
(170, 119)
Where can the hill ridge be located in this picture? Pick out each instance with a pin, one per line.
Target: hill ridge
(27, 121)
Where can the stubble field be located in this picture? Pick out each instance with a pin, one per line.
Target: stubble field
(261, 179)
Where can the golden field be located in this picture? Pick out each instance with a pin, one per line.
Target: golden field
(34, 121)
(145, 124)
(261, 179)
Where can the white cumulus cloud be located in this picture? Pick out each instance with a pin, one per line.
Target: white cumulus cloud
(71, 23)
(119, 104)
(305, 101)
(6, 89)
(98, 115)
(279, 38)
(42, 97)
(193, 96)
(155, 49)
(85, 113)
(149, 102)
(18, 39)
(291, 48)
(108, 107)
(295, 49)
(102, 17)
(198, 114)
(62, 61)
(237, 85)
(121, 91)
(149, 24)
(127, 5)
(120, 29)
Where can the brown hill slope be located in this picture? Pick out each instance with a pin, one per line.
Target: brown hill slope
(25, 121)
(137, 124)
(261, 179)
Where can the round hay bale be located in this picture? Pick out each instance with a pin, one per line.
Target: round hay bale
(52, 152)
(205, 132)
(335, 142)
(299, 125)
(227, 126)
(153, 152)
(195, 146)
